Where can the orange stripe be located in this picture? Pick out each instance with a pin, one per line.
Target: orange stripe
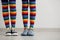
(6, 21)
(33, 13)
(25, 20)
(32, 21)
(24, 12)
(5, 7)
(5, 14)
(13, 21)
(12, 13)
(24, 4)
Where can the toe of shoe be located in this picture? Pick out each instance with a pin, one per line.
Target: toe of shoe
(15, 34)
(8, 34)
(23, 34)
(30, 34)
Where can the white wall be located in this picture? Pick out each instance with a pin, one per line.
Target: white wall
(48, 14)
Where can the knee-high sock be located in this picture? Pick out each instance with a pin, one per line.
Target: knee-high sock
(25, 13)
(32, 12)
(5, 12)
(13, 12)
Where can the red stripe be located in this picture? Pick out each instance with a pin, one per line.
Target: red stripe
(6, 23)
(5, 7)
(32, 6)
(12, 6)
(24, 6)
(13, 22)
(4, 15)
(24, 13)
(25, 21)
(32, 14)
(31, 22)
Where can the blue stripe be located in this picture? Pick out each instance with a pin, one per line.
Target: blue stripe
(13, 17)
(32, 9)
(5, 9)
(6, 18)
(13, 9)
(13, 25)
(12, 2)
(32, 2)
(7, 26)
(32, 17)
(25, 25)
(25, 16)
(31, 25)
(4, 3)
(25, 2)
(24, 8)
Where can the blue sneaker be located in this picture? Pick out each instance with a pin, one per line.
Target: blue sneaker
(30, 32)
(24, 33)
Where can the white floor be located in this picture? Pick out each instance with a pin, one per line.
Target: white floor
(40, 34)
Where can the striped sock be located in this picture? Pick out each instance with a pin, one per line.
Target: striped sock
(13, 12)
(25, 13)
(5, 12)
(32, 13)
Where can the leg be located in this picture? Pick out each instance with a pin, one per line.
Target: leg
(6, 15)
(13, 16)
(32, 16)
(5, 12)
(25, 16)
(13, 12)
(25, 13)
(32, 13)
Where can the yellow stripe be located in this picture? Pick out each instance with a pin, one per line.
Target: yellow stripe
(25, 19)
(12, 4)
(13, 20)
(32, 5)
(4, 5)
(33, 12)
(24, 11)
(6, 20)
(32, 20)
(12, 12)
(5, 12)
(24, 4)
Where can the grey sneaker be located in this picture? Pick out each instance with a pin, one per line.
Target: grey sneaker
(14, 33)
(24, 33)
(30, 32)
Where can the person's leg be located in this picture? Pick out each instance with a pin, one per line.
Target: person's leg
(32, 15)
(12, 4)
(5, 14)
(25, 16)
(25, 13)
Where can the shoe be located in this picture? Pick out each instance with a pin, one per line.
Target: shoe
(8, 33)
(14, 33)
(30, 32)
(24, 33)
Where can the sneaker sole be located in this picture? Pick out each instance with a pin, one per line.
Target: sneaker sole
(23, 35)
(29, 35)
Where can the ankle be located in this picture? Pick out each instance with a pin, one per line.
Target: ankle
(8, 28)
(25, 28)
(30, 28)
(13, 29)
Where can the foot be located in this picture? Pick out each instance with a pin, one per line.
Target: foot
(30, 32)
(14, 33)
(24, 33)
